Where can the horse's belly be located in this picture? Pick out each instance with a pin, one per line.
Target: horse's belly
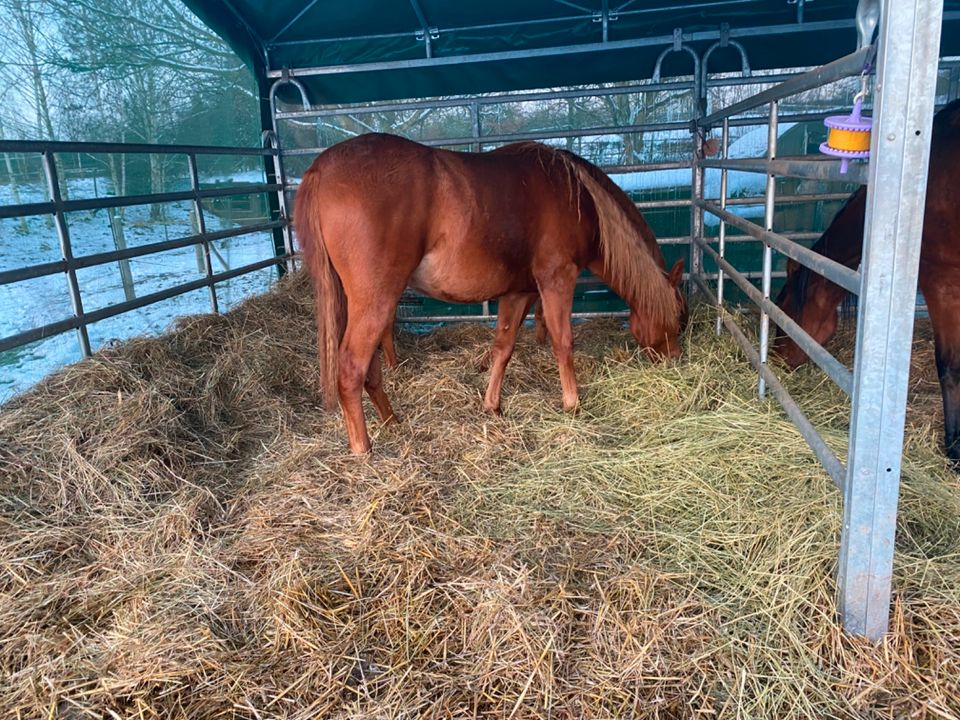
(461, 279)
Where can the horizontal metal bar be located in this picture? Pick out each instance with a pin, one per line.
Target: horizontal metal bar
(548, 134)
(835, 272)
(747, 201)
(517, 137)
(98, 148)
(825, 169)
(660, 40)
(34, 334)
(827, 362)
(427, 319)
(824, 453)
(798, 117)
(477, 57)
(445, 30)
(153, 248)
(662, 204)
(160, 295)
(467, 101)
(46, 208)
(645, 167)
(51, 329)
(32, 271)
(846, 66)
(35, 271)
(749, 238)
(786, 199)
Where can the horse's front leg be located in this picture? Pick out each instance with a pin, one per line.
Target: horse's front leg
(944, 307)
(374, 387)
(556, 299)
(511, 310)
(948, 368)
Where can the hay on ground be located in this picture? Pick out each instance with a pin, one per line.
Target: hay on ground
(184, 534)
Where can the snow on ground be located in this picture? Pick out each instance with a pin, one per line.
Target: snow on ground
(33, 303)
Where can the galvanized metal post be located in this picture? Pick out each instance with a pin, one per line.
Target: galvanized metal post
(724, 148)
(63, 233)
(277, 171)
(271, 140)
(202, 227)
(899, 157)
(696, 213)
(475, 126)
(768, 210)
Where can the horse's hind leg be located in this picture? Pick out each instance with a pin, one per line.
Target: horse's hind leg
(374, 387)
(556, 298)
(366, 322)
(511, 310)
(389, 350)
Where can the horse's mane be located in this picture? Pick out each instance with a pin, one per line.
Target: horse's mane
(631, 256)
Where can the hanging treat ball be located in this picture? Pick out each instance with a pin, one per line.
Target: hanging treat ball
(848, 137)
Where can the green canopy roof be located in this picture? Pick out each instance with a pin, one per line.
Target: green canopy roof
(392, 49)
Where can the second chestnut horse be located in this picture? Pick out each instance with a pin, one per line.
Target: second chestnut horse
(812, 300)
(378, 213)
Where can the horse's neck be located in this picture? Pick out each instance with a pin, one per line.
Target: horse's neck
(843, 240)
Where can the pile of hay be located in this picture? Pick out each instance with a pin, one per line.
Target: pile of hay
(183, 534)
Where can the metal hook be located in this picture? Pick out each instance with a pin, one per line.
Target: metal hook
(723, 42)
(286, 79)
(679, 46)
(868, 16)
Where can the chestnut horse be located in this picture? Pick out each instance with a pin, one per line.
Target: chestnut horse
(378, 213)
(812, 300)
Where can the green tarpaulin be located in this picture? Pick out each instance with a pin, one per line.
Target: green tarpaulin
(303, 33)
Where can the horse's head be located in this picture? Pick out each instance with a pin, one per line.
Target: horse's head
(660, 337)
(809, 298)
(811, 301)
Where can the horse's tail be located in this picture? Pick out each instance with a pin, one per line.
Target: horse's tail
(330, 302)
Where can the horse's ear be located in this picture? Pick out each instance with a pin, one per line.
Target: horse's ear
(676, 274)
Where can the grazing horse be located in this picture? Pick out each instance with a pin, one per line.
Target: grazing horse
(812, 300)
(378, 213)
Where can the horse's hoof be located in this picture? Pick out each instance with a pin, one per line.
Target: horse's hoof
(360, 448)
(572, 409)
(953, 454)
(495, 411)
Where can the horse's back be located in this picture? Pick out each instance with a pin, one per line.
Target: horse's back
(463, 226)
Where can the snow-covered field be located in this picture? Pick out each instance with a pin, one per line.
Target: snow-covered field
(37, 302)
